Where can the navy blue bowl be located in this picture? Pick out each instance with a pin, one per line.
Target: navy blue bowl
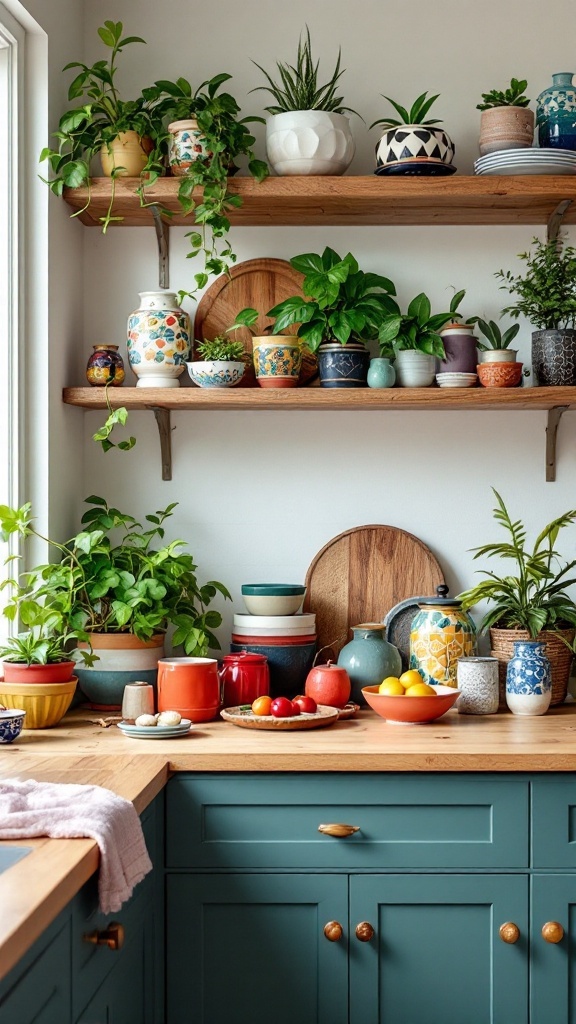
(289, 666)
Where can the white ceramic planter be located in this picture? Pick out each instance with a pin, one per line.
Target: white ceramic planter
(415, 369)
(158, 340)
(309, 142)
(216, 373)
(499, 355)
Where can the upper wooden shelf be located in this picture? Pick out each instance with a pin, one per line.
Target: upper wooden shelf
(350, 200)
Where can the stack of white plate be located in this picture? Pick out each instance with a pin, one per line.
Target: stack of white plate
(527, 161)
(275, 625)
(456, 380)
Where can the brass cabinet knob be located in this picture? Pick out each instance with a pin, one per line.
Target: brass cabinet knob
(112, 936)
(340, 831)
(552, 931)
(364, 931)
(509, 932)
(333, 931)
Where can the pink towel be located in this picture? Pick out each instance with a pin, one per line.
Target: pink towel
(63, 811)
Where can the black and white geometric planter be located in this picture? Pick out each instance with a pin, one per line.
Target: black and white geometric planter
(554, 357)
(414, 142)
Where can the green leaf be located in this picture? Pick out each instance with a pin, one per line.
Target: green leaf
(420, 308)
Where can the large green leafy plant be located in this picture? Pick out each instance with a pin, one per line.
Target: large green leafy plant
(298, 88)
(119, 576)
(546, 294)
(417, 329)
(534, 596)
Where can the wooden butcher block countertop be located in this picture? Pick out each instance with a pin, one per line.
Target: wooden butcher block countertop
(34, 890)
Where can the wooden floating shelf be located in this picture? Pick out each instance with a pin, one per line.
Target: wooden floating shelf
(347, 200)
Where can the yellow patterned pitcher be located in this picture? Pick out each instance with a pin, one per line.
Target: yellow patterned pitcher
(440, 634)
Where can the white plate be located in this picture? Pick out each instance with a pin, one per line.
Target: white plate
(529, 154)
(155, 732)
(279, 631)
(509, 169)
(276, 621)
(456, 383)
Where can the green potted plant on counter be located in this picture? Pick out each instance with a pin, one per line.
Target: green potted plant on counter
(532, 603)
(506, 121)
(307, 131)
(546, 296)
(413, 339)
(411, 141)
(344, 309)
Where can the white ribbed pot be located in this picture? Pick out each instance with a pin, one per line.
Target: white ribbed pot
(309, 142)
(499, 355)
(414, 369)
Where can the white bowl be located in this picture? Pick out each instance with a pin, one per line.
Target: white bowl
(307, 620)
(274, 630)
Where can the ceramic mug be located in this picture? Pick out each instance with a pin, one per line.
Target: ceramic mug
(191, 686)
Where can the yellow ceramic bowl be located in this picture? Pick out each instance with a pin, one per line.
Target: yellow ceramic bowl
(44, 705)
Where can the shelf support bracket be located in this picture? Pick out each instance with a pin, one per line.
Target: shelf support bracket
(555, 220)
(165, 432)
(553, 419)
(162, 237)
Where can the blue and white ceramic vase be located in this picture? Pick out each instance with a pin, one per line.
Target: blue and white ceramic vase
(556, 113)
(381, 373)
(369, 658)
(528, 679)
(343, 366)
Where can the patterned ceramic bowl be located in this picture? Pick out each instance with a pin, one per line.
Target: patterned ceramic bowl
(411, 710)
(216, 373)
(499, 375)
(11, 723)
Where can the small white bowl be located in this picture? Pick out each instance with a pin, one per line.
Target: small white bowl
(216, 373)
(307, 619)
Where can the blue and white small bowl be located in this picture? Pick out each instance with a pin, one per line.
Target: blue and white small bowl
(216, 373)
(11, 722)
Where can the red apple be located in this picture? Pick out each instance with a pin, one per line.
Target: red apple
(281, 707)
(307, 705)
(328, 684)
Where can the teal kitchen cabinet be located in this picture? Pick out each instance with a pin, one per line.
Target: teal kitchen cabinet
(38, 990)
(553, 945)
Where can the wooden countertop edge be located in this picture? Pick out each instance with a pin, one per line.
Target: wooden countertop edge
(375, 762)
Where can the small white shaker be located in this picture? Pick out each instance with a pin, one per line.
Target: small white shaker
(478, 681)
(138, 699)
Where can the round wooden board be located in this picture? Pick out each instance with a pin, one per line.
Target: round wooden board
(248, 720)
(361, 574)
(259, 284)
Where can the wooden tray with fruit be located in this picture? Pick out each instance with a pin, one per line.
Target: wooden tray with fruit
(281, 713)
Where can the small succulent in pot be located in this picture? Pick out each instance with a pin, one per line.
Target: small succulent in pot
(221, 363)
(496, 348)
(506, 121)
(411, 139)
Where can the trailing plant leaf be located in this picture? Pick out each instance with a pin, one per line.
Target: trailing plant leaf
(115, 417)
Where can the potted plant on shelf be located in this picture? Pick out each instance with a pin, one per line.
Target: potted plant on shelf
(546, 296)
(123, 592)
(414, 340)
(534, 603)
(412, 144)
(221, 364)
(344, 309)
(277, 361)
(307, 131)
(498, 365)
(128, 135)
(506, 121)
(459, 341)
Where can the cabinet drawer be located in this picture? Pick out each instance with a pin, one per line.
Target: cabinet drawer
(38, 989)
(554, 821)
(404, 821)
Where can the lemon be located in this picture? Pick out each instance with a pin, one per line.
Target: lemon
(410, 678)
(392, 687)
(420, 690)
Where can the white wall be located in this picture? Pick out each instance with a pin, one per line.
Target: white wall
(260, 493)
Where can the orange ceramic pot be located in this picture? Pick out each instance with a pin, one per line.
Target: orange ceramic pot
(190, 686)
(56, 672)
(499, 375)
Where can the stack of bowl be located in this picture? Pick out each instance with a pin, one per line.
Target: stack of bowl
(43, 692)
(276, 629)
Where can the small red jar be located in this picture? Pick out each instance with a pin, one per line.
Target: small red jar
(244, 677)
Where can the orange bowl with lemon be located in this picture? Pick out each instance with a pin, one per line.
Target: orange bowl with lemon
(408, 700)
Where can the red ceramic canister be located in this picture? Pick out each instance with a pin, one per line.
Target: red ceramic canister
(245, 676)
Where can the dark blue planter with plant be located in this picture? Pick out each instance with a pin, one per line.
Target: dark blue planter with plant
(343, 366)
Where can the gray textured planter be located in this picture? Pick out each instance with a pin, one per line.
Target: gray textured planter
(554, 357)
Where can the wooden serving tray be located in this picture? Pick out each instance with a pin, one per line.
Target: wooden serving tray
(248, 720)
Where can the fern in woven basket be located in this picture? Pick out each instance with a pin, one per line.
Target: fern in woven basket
(298, 88)
(534, 599)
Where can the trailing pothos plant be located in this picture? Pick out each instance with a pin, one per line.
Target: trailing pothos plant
(417, 329)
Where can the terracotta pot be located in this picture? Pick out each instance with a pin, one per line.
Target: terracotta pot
(558, 654)
(506, 128)
(58, 672)
(128, 151)
(499, 375)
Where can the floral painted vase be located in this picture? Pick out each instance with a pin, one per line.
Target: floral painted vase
(277, 361)
(158, 340)
(528, 679)
(381, 373)
(187, 144)
(368, 658)
(556, 113)
(105, 366)
(440, 634)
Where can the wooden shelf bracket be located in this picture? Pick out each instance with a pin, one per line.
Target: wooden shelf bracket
(555, 220)
(162, 237)
(552, 420)
(165, 432)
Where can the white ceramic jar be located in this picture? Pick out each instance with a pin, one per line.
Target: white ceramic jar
(414, 369)
(309, 142)
(158, 340)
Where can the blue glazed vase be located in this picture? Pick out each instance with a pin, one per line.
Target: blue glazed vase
(343, 366)
(528, 679)
(369, 658)
(556, 113)
(381, 373)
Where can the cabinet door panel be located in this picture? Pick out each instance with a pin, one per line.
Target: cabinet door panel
(554, 822)
(553, 988)
(250, 949)
(42, 993)
(122, 997)
(436, 956)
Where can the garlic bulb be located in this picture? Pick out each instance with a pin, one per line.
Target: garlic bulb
(146, 720)
(169, 718)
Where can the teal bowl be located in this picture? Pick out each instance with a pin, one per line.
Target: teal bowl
(273, 598)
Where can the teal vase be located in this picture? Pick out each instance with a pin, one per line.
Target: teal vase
(369, 658)
(381, 373)
(556, 113)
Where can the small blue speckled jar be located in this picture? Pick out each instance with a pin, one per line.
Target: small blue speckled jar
(381, 373)
(528, 679)
(369, 658)
(556, 113)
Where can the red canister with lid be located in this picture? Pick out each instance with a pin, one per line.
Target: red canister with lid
(245, 676)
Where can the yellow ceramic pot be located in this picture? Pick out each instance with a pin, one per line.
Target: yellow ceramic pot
(277, 361)
(441, 633)
(128, 151)
(44, 704)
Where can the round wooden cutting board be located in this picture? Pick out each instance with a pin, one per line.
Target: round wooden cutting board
(361, 574)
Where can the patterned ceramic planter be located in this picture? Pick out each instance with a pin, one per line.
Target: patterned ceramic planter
(158, 340)
(277, 361)
(414, 369)
(216, 373)
(127, 154)
(381, 373)
(105, 366)
(556, 113)
(441, 633)
(309, 142)
(477, 678)
(368, 658)
(505, 128)
(554, 357)
(528, 679)
(187, 144)
(343, 366)
(460, 347)
(414, 142)
(499, 375)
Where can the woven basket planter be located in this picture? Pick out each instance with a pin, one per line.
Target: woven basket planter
(559, 656)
